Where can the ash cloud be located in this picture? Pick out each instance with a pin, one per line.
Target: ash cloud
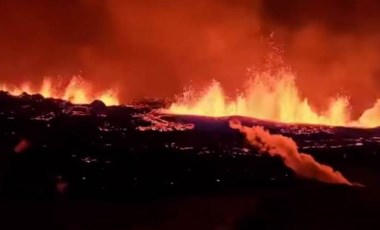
(304, 165)
(152, 48)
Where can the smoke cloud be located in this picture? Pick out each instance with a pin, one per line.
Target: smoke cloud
(302, 164)
(150, 48)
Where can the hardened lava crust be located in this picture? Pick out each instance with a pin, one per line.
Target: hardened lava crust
(52, 147)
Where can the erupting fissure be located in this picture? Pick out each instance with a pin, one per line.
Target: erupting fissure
(275, 97)
(268, 95)
(76, 91)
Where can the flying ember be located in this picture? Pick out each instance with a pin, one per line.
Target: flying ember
(76, 91)
(272, 97)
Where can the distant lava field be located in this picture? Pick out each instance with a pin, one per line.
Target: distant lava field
(54, 148)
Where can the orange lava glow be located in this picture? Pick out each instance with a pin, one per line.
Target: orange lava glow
(272, 97)
(77, 91)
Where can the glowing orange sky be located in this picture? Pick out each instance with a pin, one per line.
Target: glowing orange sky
(154, 49)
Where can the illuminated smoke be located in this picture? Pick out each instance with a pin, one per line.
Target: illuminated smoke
(302, 164)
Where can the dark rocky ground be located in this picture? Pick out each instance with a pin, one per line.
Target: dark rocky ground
(130, 167)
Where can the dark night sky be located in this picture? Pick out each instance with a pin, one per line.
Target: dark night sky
(155, 48)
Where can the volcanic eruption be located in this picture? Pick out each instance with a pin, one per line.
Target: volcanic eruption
(122, 43)
(279, 120)
(275, 97)
(268, 95)
(77, 91)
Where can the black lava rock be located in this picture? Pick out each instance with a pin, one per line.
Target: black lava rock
(98, 105)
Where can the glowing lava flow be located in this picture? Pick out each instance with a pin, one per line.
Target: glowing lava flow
(274, 98)
(77, 91)
(302, 164)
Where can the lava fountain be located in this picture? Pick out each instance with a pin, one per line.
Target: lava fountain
(275, 97)
(76, 91)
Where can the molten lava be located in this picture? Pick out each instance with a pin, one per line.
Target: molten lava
(304, 165)
(272, 97)
(77, 91)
